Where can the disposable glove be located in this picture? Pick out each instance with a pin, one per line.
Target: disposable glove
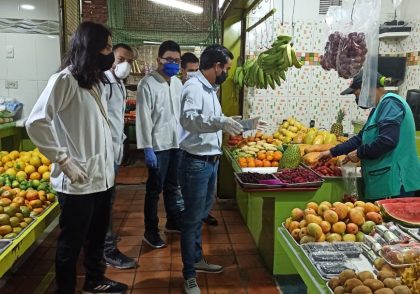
(253, 124)
(74, 171)
(150, 158)
(231, 126)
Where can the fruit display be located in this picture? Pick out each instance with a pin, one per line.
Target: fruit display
(345, 53)
(291, 130)
(254, 178)
(333, 222)
(328, 168)
(13, 220)
(269, 68)
(297, 176)
(337, 127)
(364, 282)
(25, 183)
(405, 211)
(235, 140)
(411, 278)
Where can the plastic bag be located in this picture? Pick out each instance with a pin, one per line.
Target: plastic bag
(353, 42)
(350, 174)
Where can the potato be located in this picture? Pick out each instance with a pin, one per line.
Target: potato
(352, 283)
(373, 284)
(391, 283)
(382, 275)
(345, 275)
(401, 290)
(333, 283)
(384, 291)
(365, 275)
(361, 290)
(339, 290)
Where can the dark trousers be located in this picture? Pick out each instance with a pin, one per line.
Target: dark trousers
(110, 238)
(83, 221)
(164, 178)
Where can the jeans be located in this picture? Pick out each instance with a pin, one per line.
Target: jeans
(110, 239)
(83, 222)
(198, 182)
(164, 178)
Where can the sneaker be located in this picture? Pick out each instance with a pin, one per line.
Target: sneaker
(210, 220)
(118, 260)
(191, 287)
(172, 228)
(154, 240)
(105, 286)
(205, 267)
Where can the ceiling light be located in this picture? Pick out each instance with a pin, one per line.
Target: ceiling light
(180, 5)
(27, 6)
(151, 42)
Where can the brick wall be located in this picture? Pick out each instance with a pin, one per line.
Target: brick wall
(95, 10)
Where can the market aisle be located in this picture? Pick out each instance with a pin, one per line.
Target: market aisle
(229, 244)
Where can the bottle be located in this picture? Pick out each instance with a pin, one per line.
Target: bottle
(312, 123)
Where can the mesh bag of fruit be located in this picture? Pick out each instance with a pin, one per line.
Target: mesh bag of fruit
(352, 43)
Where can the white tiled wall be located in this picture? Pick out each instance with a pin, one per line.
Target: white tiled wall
(36, 56)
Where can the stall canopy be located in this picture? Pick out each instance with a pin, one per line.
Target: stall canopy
(145, 21)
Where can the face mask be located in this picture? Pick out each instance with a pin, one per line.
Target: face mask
(106, 61)
(122, 70)
(170, 69)
(221, 78)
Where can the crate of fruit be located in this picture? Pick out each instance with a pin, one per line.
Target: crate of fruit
(257, 180)
(299, 177)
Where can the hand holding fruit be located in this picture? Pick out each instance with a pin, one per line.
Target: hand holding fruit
(325, 155)
(74, 171)
(352, 156)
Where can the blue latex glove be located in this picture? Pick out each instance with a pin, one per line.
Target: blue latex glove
(150, 157)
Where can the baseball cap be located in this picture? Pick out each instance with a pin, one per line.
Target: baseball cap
(358, 80)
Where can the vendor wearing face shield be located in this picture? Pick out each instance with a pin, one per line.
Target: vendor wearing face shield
(385, 146)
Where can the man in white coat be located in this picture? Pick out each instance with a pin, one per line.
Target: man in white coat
(157, 130)
(69, 125)
(115, 96)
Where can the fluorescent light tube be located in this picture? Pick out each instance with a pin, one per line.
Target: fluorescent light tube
(180, 5)
(27, 7)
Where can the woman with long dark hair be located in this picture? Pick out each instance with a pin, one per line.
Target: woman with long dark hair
(69, 125)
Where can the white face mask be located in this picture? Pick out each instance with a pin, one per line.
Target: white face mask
(122, 70)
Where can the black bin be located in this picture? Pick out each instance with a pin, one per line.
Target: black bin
(413, 99)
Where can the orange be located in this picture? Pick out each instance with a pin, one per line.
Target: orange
(42, 169)
(261, 155)
(258, 163)
(2, 169)
(35, 176)
(251, 163)
(267, 163)
(243, 164)
(277, 155)
(6, 158)
(14, 154)
(45, 160)
(270, 153)
(269, 157)
(29, 169)
(46, 176)
(9, 164)
(35, 161)
(275, 164)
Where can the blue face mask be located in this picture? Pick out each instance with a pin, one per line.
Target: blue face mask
(170, 69)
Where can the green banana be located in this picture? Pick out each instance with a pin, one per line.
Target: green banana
(270, 81)
(282, 75)
(276, 79)
(295, 60)
(241, 79)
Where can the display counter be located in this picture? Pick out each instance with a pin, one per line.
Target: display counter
(27, 238)
(264, 210)
(304, 267)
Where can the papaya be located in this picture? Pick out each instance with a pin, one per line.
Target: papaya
(311, 158)
(319, 148)
(319, 139)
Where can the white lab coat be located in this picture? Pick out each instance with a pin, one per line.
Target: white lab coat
(115, 95)
(65, 122)
(157, 112)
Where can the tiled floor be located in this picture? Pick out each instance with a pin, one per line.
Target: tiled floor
(159, 271)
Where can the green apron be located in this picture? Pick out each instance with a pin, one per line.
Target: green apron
(385, 176)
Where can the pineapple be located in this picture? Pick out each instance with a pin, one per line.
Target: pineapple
(337, 127)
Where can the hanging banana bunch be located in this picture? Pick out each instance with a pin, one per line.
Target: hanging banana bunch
(270, 67)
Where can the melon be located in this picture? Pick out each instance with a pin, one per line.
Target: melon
(399, 200)
(406, 213)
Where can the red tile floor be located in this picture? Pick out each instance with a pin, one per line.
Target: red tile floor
(229, 244)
